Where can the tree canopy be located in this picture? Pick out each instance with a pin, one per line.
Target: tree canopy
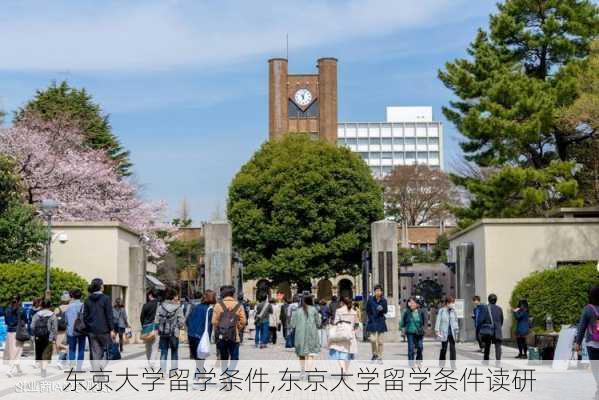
(301, 209)
(511, 93)
(59, 100)
(21, 230)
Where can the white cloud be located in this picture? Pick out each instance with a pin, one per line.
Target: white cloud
(117, 36)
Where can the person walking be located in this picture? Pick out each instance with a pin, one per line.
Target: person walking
(228, 318)
(99, 324)
(246, 310)
(490, 325)
(199, 322)
(61, 345)
(588, 331)
(75, 340)
(169, 320)
(44, 329)
(522, 317)
(149, 328)
(261, 321)
(412, 325)
(476, 310)
(376, 308)
(274, 319)
(305, 323)
(16, 335)
(121, 321)
(447, 330)
(345, 351)
(291, 309)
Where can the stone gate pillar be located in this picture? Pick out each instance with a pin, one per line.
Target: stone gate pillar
(385, 271)
(218, 253)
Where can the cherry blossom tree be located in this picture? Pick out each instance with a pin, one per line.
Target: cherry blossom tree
(53, 162)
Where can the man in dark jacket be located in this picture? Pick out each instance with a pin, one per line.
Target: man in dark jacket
(147, 317)
(490, 325)
(98, 318)
(376, 308)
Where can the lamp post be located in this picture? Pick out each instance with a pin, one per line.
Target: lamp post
(365, 290)
(48, 206)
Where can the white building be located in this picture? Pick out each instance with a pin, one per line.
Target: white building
(408, 136)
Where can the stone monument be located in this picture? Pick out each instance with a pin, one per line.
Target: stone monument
(218, 253)
(385, 271)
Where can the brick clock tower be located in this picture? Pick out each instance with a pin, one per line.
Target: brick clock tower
(303, 102)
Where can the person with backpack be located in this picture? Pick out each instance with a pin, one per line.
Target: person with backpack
(170, 320)
(261, 320)
(61, 323)
(75, 340)
(588, 331)
(412, 325)
(98, 323)
(376, 308)
(16, 335)
(149, 328)
(121, 322)
(228, 318)
(522, 318)
(447, 330)
(490, 325)
(199, 327)
(44, 330)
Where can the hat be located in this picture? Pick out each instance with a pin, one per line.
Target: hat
(65, 297)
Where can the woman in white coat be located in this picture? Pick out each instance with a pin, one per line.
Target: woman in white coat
(346, 350)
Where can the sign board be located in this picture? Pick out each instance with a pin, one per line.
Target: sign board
(459, 308)
(563, 349)
(390, 311)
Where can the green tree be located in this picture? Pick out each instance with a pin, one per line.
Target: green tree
(512, 192)
(301, 209)
(516, 79)
(582, 116)
(21, 230)
(28, 280)
(77, 105)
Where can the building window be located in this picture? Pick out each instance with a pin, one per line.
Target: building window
(387, 155)
(351, 141)
(387, 141)
(364, 156)
(363, 141)
(375, 140)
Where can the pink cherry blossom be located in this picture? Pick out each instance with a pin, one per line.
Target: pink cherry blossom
(54, 163)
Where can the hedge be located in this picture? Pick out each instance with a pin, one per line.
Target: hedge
(29, 280)
(560, 292)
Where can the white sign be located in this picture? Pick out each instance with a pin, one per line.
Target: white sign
(390, 311)
(459, 308)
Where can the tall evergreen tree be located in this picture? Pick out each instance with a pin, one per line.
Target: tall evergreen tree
(77, 105)
(511, 87)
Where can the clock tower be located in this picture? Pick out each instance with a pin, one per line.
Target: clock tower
(303, 102)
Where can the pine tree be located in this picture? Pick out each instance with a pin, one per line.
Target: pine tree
(77, 105)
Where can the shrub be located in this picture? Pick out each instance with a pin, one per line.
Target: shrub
(561, 292)
(29, 280)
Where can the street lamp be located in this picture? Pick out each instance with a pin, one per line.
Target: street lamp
(365, 290)
(49, 206)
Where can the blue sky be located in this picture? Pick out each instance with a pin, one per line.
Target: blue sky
(185, 82)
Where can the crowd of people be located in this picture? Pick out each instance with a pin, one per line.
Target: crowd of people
(216, 323)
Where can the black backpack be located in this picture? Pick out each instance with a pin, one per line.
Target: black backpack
(227, 324)
(79, 327)
(61, 322)
(41, 327)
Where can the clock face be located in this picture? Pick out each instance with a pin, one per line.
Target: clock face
(302, 97)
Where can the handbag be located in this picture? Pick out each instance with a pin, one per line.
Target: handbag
(341, 331)
(114, 352)
(148, 333)
(203, 350)
(22, 333)
(79, 326)
(488, 329)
